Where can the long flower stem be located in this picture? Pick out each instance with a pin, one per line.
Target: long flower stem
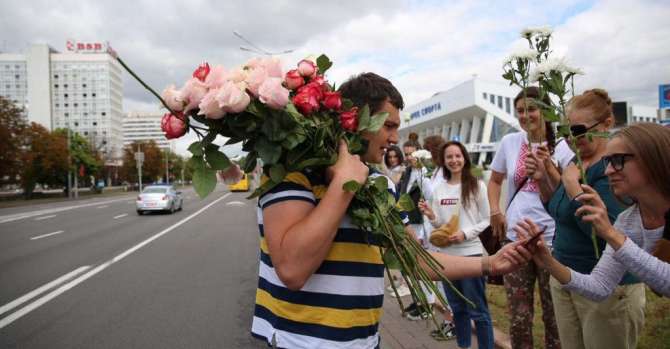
(582, 176)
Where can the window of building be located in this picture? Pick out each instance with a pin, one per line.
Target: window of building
(85, 133)
(16, 76)
(95, 123)
(93, 94)
(66, 105)
(67, 115)
(65, 95)
(84, 95)
(492, 99)
(65, 85)
(57, 105)
(56, 86)
(500, 102)
(76, 105)
(76, 123)
(508, 105)
(484, 95)
(55, 76)
(103, 113)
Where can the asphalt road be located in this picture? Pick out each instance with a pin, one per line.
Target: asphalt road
(94, 274)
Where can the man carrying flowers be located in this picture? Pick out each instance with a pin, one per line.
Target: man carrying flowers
(321, 281)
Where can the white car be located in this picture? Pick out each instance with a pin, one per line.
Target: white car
(159, 198)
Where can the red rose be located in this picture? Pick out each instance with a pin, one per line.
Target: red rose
(349, 119)
(202, 72)
(174, 126)
(293, 79)
(306, 102)
(313, 89)
(321, 82)
(332, 100)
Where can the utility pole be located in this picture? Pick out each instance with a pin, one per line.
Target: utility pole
(69, 164)
(167, 166)
(139, 157)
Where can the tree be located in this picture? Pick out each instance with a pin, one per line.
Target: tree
(43, 158)
(153, 167)
(84, 156)
(12, 126)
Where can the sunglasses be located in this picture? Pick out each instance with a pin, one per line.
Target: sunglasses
(580, 129)
(617, 160)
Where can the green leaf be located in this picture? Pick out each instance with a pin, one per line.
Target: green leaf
(324, 63)
(268, 151)
(277, 173)
(195, 148)
(405, 203)
(293, 140)
(216, 159)
(564, 130)
(391, 260)
(250, 162)
(550, 115)
(381, 184)
(364, 118)
(204, 179)
(347, 104)
(377, 121)
(351, 186)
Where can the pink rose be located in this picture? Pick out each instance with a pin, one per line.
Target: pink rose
(237, 75)
(306, 102)
(209, 106)
(216, 77)
(232, 98)
(201, 72)
(349, 119)
(253, 63)
(293, 79)
(273, 67)
(173, 125)
(192, 93)
(273, 94)
(172, 98)
(307, 68)
(255, 79)
(232, 175)
(332, 100)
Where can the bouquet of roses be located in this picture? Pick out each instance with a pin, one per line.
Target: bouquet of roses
(290, 122)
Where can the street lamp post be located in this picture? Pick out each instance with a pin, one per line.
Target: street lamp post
(139, 157)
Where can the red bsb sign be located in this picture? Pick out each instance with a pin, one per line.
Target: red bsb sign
(86, 47)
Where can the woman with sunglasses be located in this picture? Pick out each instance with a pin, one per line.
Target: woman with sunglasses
(638, 166)
(582, 322)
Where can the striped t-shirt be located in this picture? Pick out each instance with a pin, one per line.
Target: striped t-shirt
(340, 305)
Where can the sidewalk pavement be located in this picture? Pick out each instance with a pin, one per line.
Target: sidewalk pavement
(398, 332)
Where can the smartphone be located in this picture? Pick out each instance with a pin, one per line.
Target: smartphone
(533, 239)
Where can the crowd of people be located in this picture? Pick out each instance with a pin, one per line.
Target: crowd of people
(321, 282)
(592, 292)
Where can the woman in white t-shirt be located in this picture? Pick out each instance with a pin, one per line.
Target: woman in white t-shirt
(509, 164)
(459, 195)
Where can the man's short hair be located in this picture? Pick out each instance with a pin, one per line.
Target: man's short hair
(371, 89)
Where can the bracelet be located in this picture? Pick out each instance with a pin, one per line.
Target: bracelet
(486, 266)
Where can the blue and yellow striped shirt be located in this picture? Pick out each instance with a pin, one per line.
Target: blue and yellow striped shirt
(340, 305)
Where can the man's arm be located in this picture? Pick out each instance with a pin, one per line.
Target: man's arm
(299, 234)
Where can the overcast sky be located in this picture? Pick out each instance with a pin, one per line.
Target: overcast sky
(421, 46)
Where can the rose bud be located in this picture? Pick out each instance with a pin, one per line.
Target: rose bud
(232, 174)
(306, 103)
(174, 126)
(332, 100)
(321, 82)
(201, 72)
(293, 79)
(307, 68)
(349, 120)
(172, 98)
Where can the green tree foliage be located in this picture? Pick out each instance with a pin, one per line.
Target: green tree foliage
(153, 168)
(12, 125)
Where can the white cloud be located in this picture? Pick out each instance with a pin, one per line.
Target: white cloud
(422, 46)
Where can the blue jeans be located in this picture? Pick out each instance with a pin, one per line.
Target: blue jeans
(474, 290)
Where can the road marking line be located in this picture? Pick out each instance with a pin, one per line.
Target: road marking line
(45, 217)
(103, 206)
(28, 296)
(121, 215)
(23, 215)
(55, 293)
(236, 203)
(45, 235)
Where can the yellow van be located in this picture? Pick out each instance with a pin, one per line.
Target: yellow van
(242, 185)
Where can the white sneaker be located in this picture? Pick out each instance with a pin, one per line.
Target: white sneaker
(402, 291)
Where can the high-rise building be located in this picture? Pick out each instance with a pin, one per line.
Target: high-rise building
(81, 90)
(145, 127)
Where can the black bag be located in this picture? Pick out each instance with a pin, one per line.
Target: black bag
(492, 245)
